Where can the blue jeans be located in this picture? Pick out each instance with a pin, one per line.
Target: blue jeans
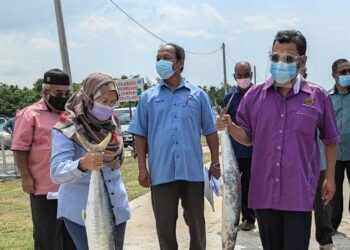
(78, 234)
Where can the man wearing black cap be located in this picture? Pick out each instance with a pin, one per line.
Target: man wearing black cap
(32, 150)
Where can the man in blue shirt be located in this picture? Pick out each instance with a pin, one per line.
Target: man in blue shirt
(340, 96)
(243, 76)
(168, 123)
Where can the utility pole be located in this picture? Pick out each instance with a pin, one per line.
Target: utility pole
(254, 75)
(62, 38)
(224, 64)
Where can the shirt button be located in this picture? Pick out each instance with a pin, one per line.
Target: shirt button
(174, 104)
(112, 193)
(282, 115)
(277, 180)
(109, 180)
(280, 131)
(277, 164)
(112, 169)
(278, 147)
(175, 129)
(177, 142)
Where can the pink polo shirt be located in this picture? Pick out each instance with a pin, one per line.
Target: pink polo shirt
(32, 133)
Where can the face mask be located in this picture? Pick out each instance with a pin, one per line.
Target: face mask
(165, 69)
(344, 80)
(57, 102)
(243, 83)
(102, 112)
(282, 73)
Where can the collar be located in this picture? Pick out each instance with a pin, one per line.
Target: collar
(334, 91)
(181, 85)
(300, 84)
(42, 105)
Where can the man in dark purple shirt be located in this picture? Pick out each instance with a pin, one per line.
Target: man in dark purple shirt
(280, 118)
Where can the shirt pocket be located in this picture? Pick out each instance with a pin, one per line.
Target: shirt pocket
(306, 120)
(190, 109)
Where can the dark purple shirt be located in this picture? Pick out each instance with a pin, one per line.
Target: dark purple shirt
(286, 157)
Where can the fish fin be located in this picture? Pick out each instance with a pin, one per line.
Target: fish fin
(83, 214)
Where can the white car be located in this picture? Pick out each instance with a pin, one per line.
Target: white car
(4, 136)
(124, 115)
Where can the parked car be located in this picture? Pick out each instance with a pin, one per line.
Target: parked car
(124, 115)
(4, 136)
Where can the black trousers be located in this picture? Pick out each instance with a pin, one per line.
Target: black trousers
(165, 200)
(49, 233)
(337, 203)
(244, 165)
(284, 230)
(323, 222)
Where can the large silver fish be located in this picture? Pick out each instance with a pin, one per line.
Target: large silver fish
(231, 201)
(98, 214)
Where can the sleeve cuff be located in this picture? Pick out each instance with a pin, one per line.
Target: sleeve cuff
(334, 140)
(76, 171)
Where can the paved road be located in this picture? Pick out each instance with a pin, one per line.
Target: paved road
(141, 232)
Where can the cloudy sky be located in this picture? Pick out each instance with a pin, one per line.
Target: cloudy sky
(102, 39)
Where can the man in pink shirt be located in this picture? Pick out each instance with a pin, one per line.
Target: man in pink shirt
(32, 151)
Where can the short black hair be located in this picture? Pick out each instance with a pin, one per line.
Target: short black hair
(179, 52)
(292, 36)
(336, 63)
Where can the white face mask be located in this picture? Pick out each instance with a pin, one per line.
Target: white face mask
(243, 83)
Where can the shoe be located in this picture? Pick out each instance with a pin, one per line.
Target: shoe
(328, 247)
(246, 226)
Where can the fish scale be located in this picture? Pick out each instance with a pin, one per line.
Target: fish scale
(98, 215)
(231, 201)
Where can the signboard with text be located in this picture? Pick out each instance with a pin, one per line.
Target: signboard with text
(130, 89)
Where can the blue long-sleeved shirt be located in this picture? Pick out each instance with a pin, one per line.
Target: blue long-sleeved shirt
(73, 191)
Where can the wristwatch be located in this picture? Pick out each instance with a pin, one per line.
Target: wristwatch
(216, 165)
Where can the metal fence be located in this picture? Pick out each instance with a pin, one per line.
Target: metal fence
(8, 167)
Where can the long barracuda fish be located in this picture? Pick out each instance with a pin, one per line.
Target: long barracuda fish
(231, 201)
(98, 214)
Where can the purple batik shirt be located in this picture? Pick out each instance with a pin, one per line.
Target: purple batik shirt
(286, 157)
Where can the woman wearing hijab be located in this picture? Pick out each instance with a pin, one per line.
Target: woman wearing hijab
(87, 121)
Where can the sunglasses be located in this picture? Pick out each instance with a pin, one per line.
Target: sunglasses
(286, 58)
(344, 72)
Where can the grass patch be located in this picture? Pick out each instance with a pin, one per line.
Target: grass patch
(15, 216)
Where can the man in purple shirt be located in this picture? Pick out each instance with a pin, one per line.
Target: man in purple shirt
(280, 118)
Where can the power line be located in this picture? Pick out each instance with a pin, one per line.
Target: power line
(230, 57)
(158, 37)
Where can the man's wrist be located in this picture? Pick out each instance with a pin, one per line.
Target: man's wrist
(215, 164)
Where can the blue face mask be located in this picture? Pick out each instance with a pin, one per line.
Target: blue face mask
(165, 69)
(282, 73)
(344, 80)
(101, 112)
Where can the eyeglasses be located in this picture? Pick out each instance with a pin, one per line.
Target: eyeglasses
(286, 58)
(61, 94)
(344, 72)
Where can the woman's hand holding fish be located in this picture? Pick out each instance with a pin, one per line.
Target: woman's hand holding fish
(92, 161)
